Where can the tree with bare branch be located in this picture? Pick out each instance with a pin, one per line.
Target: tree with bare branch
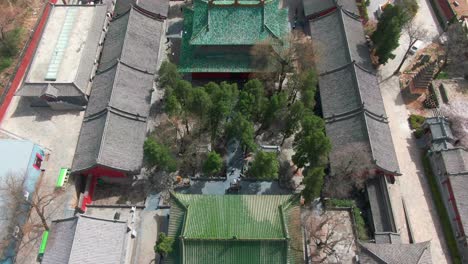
(455, 48)
(274, 58)
(349, 171)
(414, 32)
(458, 117)
(321, 231)
(19, 201)
(8, 14)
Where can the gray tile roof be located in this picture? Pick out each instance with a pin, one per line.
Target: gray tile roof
(418, 253)
(158, 7)
(441, 134)
(114, 127)
(84, 239)
(79, 86)
(122, 6)
(460, 186)
(314, 7)
(350, 95)
(60, 241)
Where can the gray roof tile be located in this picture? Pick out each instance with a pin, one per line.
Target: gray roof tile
(418, 253)
(114, 128)
(60, 241)
(84, 239)
(158, 7)
(314, 7)
(351, 100)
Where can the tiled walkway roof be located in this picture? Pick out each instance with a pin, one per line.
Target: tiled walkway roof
(114, 127)
(351, 100)
(235, 229)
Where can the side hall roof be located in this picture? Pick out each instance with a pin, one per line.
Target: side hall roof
(114, 127)
(351, 100)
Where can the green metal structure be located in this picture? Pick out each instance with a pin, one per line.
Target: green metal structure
(62, 178)
(218, 35)
(42, 248)
(229, 229)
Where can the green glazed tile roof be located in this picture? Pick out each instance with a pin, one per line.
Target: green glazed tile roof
(216, 36)
(219, 24)
(233, 229)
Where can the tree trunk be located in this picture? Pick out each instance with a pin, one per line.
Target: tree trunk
(41, 215)
(187, 126)
(404, 58)
(284, 139)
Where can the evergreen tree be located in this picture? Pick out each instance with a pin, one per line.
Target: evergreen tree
(264, 166)
(213, 163)
(311, 144)
(386, 36)
(313, 181)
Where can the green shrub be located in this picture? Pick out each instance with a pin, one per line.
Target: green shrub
(416, 121)
(442, 75)
(164, 245)
(9, 47)
(5, 63)
(441, 211)
(418, 133)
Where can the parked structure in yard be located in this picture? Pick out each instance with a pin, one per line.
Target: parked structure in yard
(86, 239)
(352, 105)
(235, 229)
(20, 160)
(450, 168)
(371, 253)
(65, 61)
(114, 127)
(218, 35)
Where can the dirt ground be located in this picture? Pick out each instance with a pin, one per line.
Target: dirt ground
(30, 11)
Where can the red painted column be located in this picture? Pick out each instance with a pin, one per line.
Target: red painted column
(28, 55)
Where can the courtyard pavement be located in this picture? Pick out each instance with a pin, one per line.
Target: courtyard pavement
(412, 187)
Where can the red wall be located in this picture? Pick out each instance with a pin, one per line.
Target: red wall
(103, 171)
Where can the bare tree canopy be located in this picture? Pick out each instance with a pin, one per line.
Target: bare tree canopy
(18, 200)
(413, 32)
(321, 229)
(456, 51)
(457, 114)
(277, 57)
(349, 171)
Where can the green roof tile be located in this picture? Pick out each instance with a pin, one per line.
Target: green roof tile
(217, 36)
(225, 229)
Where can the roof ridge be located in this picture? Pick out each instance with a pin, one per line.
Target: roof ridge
(108, 68)
(426, 247)
(144, 12)
(335, 9)
(102, 219)
(126, 114)
(120, 15)
(336, 69)
(371, 252)
(135, 68)
(341, 116)
(103, 135)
